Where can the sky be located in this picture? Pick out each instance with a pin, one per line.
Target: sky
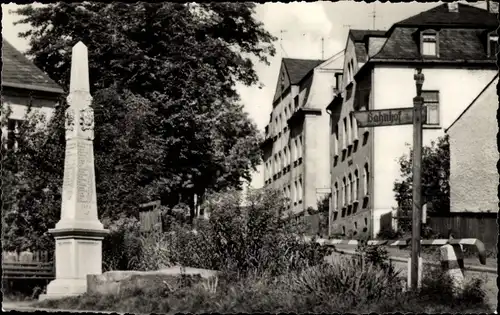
(299, 27)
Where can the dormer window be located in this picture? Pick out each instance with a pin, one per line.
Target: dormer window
(338, 81)
(492, 44)
(429, 45)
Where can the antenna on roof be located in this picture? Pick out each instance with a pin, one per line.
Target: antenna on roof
(322, 48)
(281, 45)
(374, 14)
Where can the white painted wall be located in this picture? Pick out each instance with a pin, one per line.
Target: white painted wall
(474, 156)
(18, 106)
(394, 87)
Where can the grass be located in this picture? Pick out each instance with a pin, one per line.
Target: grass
(347, 286)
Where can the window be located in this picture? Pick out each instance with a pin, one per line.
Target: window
(300, 190)
(276, 126)
(290, 110)
(354, 125)
(344, 192)
(352, 70)
(431, 102)
(296, 101)
(295, 150)
(299, 146)
(275, 168)
(289, 196)
(344, 137)
(338, 81)
(348, 73)
(349, 130)
(295, 192)
(429, 44)
(356, 185)
(336, 141)
(366, 179)
(12, 133)
(285, 157)
(281, 123)
(335, 196)
(289, 155)
(492, 44)
(280, 161)
(349, 195)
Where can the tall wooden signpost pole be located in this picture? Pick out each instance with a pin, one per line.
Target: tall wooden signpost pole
(417, 179)
(406, 116)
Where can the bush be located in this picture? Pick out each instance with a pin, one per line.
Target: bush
(350, 276)
(122, 248)
(236, 239)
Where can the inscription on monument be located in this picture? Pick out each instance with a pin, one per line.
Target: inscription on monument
(84, 176)
(69, 170)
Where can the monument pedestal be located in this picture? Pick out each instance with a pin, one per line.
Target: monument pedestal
(78, 254)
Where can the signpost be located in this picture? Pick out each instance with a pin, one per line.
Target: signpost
(387, 117)
(416, 115)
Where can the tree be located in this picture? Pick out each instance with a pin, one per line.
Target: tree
(31, 182)
(168, 119)
(435, 178)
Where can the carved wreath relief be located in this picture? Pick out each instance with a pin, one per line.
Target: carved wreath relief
(70, 119)
(87, 119)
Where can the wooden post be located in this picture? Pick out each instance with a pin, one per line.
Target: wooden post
(417, 179)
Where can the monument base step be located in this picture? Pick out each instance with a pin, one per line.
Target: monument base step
(63, 288)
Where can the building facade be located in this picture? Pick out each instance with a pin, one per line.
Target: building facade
(24, 85)
(455, 46)
(474, 155)
(295, 150)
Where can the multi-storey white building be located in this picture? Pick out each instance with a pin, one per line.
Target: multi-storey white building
(455, 45)
(296, 146)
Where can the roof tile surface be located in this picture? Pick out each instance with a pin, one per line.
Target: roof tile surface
(299, 68)
(19, 70)
(440, 15)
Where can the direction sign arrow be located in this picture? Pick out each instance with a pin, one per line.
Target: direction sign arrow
(387, 117)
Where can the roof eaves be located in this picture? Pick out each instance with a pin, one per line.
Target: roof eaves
(472, 103)
(33, 87)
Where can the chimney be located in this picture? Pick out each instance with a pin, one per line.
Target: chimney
(492, 6)
(453, 7)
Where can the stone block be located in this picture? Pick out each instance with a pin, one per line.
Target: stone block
(128, 282)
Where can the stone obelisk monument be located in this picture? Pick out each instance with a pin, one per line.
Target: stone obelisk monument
(79, 233)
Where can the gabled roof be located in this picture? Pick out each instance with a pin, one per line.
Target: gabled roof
(466, 16)
(19, 72)
(298, 68)
(489, 85)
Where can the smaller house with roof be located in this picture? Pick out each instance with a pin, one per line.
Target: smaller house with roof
(295, 149)
(23, 85)
(474, 155)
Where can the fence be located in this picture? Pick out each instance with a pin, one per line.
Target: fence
(482, 226)
(150, 217)
(27, 265)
